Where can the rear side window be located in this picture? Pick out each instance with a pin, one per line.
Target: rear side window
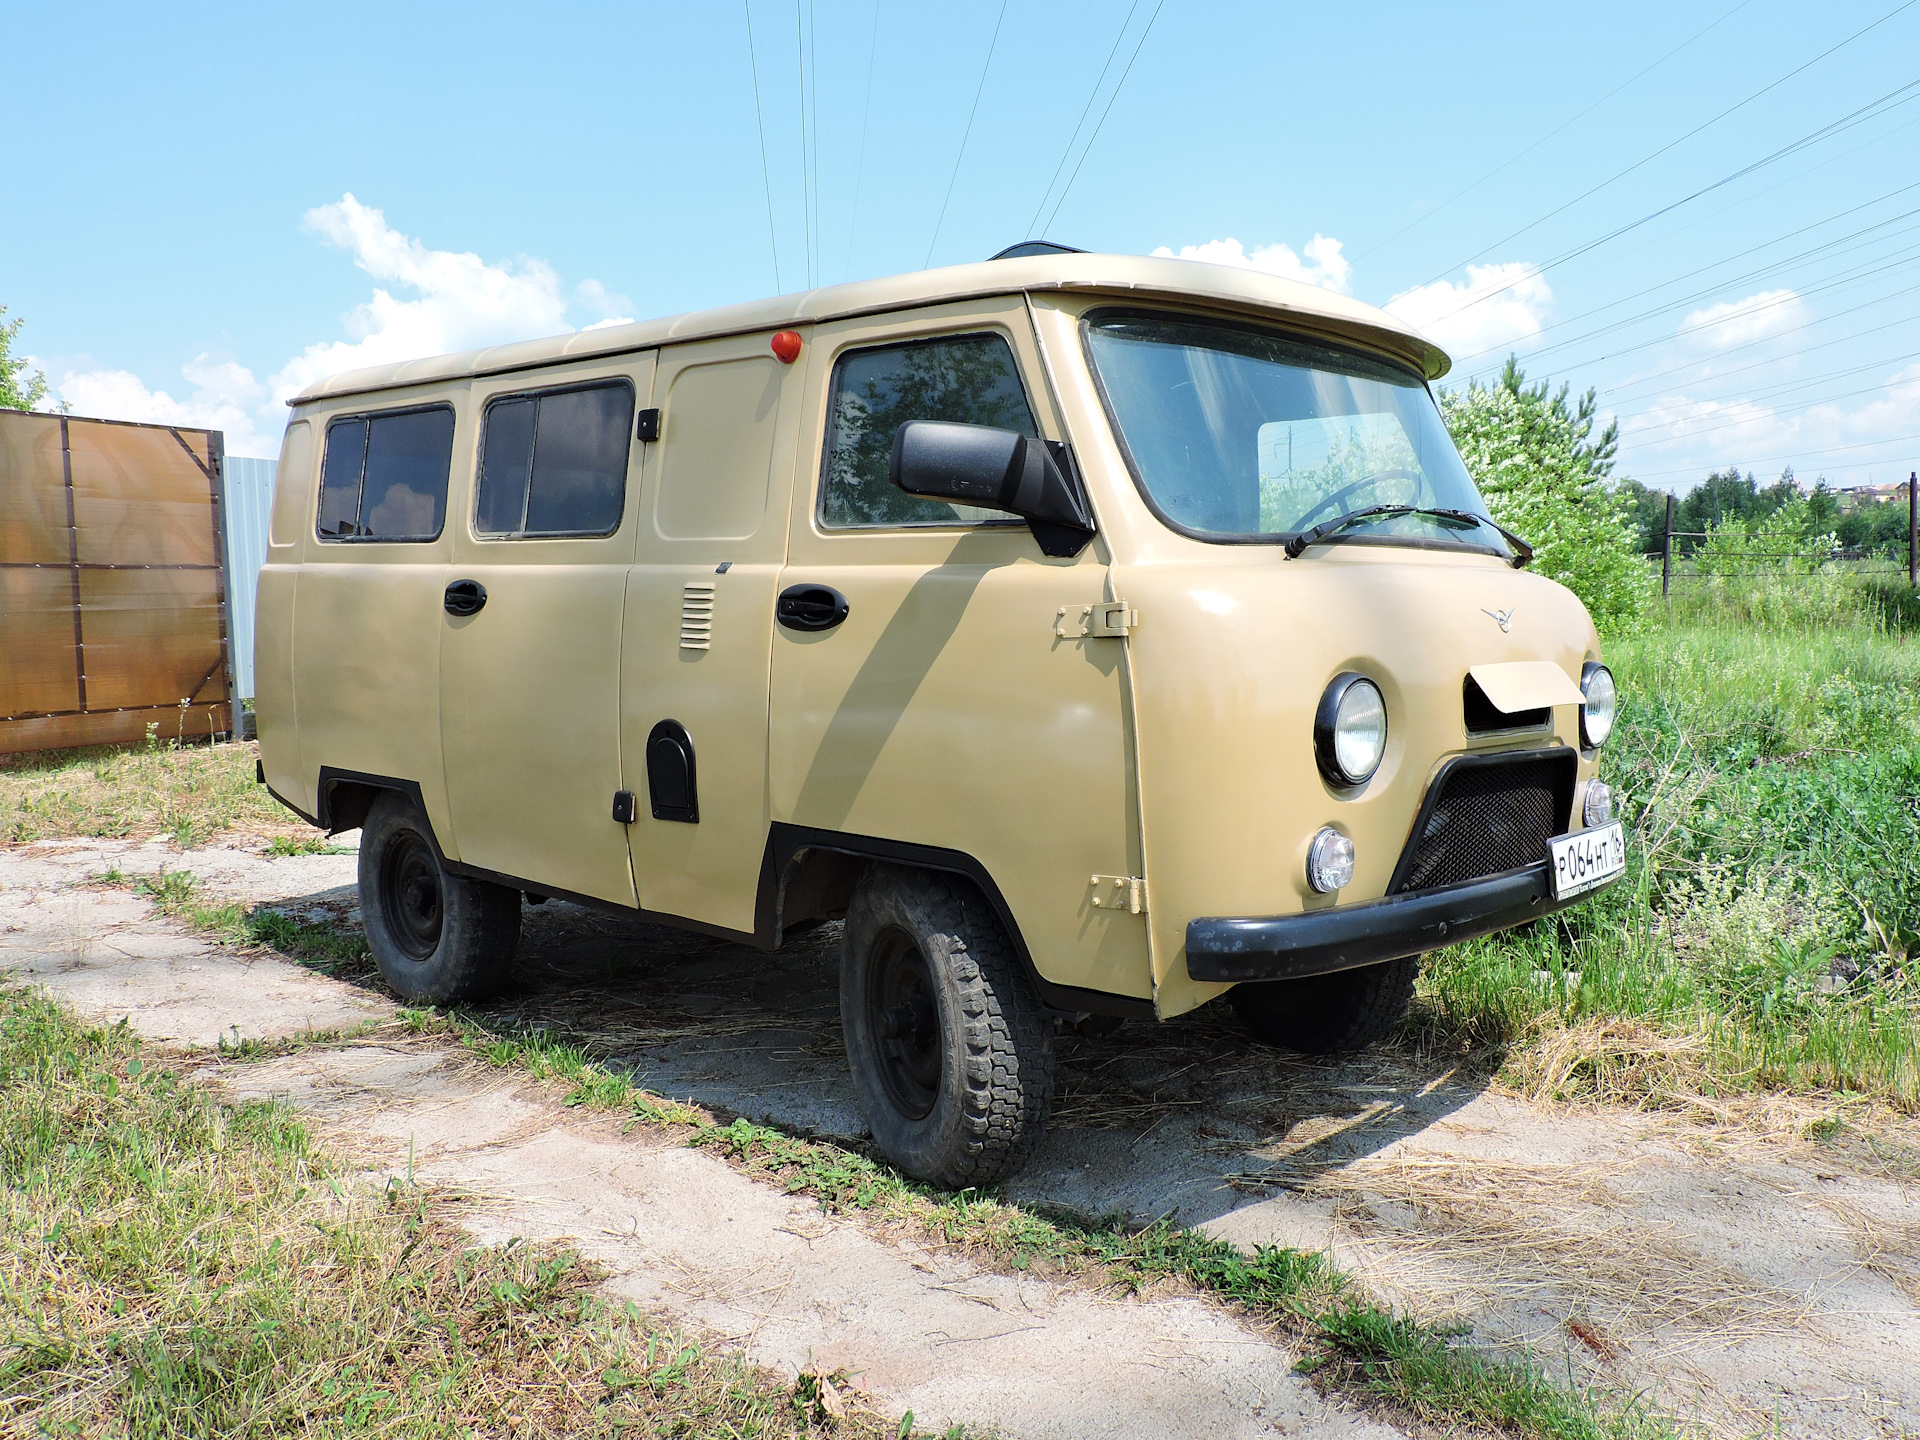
(385, 475)
(555, 463)
(967, 378)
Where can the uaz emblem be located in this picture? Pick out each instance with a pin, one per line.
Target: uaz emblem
(1502, 618)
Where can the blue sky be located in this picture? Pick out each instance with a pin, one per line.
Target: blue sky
(209, 205)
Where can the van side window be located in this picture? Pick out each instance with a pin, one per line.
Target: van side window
(967, 378)
(555, 463)
(385, 475)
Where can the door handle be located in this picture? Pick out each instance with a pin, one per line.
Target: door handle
(465, 597)
(810, 607)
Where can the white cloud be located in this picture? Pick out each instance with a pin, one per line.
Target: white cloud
(1736, 322)
(1324, 264)
(462, 302)
(1499, 306)
(225, 397)
(426, 302)
(1676, 440)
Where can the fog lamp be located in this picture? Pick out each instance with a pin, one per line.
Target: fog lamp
(1330, 861)
(1597, 808)
(1350, 729)
(1596, 711)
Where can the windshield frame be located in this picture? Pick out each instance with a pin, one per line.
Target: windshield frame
(1304, 335)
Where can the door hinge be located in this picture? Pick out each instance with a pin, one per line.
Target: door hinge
(1120, 892)
(1108, 619)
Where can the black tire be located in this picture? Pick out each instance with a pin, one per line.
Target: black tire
(952, 1054)
(436, 937)
(1328, 1014)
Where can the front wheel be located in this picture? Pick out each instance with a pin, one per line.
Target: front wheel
(951, 1052)
(436, 937)
(1328, 1014)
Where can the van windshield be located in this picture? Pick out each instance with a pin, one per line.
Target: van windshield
(1238, 434)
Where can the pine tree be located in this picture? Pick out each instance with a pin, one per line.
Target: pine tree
(1546, 475)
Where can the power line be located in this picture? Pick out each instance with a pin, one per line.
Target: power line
(1825, 132)
(1085, 111)
(760, 119)
(1715, 265)
(860, 168)
(1647, 159)
(1795, 455)
(1772, 413)
(1109, 110)
(1758, 364)
(965, 134)
(806, 179)
(1551, 133)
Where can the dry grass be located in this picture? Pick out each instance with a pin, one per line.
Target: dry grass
(174, 1266)
(191, 794)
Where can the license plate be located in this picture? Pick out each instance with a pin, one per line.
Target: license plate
(1586, 859)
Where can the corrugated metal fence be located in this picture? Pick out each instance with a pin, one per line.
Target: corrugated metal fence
(248, 487)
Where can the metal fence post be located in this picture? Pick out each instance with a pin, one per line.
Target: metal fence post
(1666, 550)
(1913, 532)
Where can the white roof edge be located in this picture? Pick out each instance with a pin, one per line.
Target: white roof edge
(1161, 278)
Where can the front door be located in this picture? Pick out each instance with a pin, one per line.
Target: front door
(699, 624)
(955, 707)
(530, 655)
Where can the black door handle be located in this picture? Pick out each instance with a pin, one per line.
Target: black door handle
(466, 597)
(810, 607)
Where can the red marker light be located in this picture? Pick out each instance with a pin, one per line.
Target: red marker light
(786, 346)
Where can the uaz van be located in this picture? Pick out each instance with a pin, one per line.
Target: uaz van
(1095, 635)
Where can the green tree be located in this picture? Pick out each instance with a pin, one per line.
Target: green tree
(18, 389)
(1546, 475)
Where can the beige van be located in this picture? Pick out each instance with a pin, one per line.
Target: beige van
(1095, 635)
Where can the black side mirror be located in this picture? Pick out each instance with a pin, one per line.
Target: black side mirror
(997, 470)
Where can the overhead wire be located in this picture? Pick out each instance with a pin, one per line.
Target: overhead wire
(860, 166)
(1656, 375)
(1498, 169)
(1118, 87)
(967, 133)
(1086, 110)
(1795, 455)
(760, 119)
(1727, 260)
(806, 179)
(1707, 124)
(1869, 111)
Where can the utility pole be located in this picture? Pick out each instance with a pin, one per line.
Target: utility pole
(1666, 550)
(1913, 532)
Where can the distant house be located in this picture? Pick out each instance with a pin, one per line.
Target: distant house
(1861, 497)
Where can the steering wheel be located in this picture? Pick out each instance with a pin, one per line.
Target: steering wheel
(1345, 490)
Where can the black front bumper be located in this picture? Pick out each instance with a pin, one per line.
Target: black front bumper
(1286, 947)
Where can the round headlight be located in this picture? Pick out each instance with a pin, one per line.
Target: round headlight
(1597, 807)
(1596, 711)
(1330, 861)
(1350, 729)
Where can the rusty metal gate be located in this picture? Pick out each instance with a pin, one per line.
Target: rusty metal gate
(113, 594)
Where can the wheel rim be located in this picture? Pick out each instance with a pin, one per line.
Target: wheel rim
(411, 896)
(903, 1017)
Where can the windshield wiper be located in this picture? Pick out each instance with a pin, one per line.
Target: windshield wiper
(1523, 552)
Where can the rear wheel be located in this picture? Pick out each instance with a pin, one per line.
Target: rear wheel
(952, 1054)
(436, 937)
(1328, 1014)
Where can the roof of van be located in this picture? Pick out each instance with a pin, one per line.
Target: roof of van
(1123, 276)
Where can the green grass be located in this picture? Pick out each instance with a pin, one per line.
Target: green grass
(191, 793)
(328, 949)
(1765, 935)
(172, 1265)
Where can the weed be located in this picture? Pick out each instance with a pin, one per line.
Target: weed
(191, 793)
(173, 1265)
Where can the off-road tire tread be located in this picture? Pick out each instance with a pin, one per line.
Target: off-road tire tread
(1009, 1076)
(480, 925)
(1329, 1014)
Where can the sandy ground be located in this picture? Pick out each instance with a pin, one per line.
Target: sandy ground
(1755, 1285)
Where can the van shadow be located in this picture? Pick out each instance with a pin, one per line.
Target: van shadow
(1188, 1120)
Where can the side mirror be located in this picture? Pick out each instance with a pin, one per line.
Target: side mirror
(997, 470)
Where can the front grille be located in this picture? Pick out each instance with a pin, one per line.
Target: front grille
(1486, 815)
